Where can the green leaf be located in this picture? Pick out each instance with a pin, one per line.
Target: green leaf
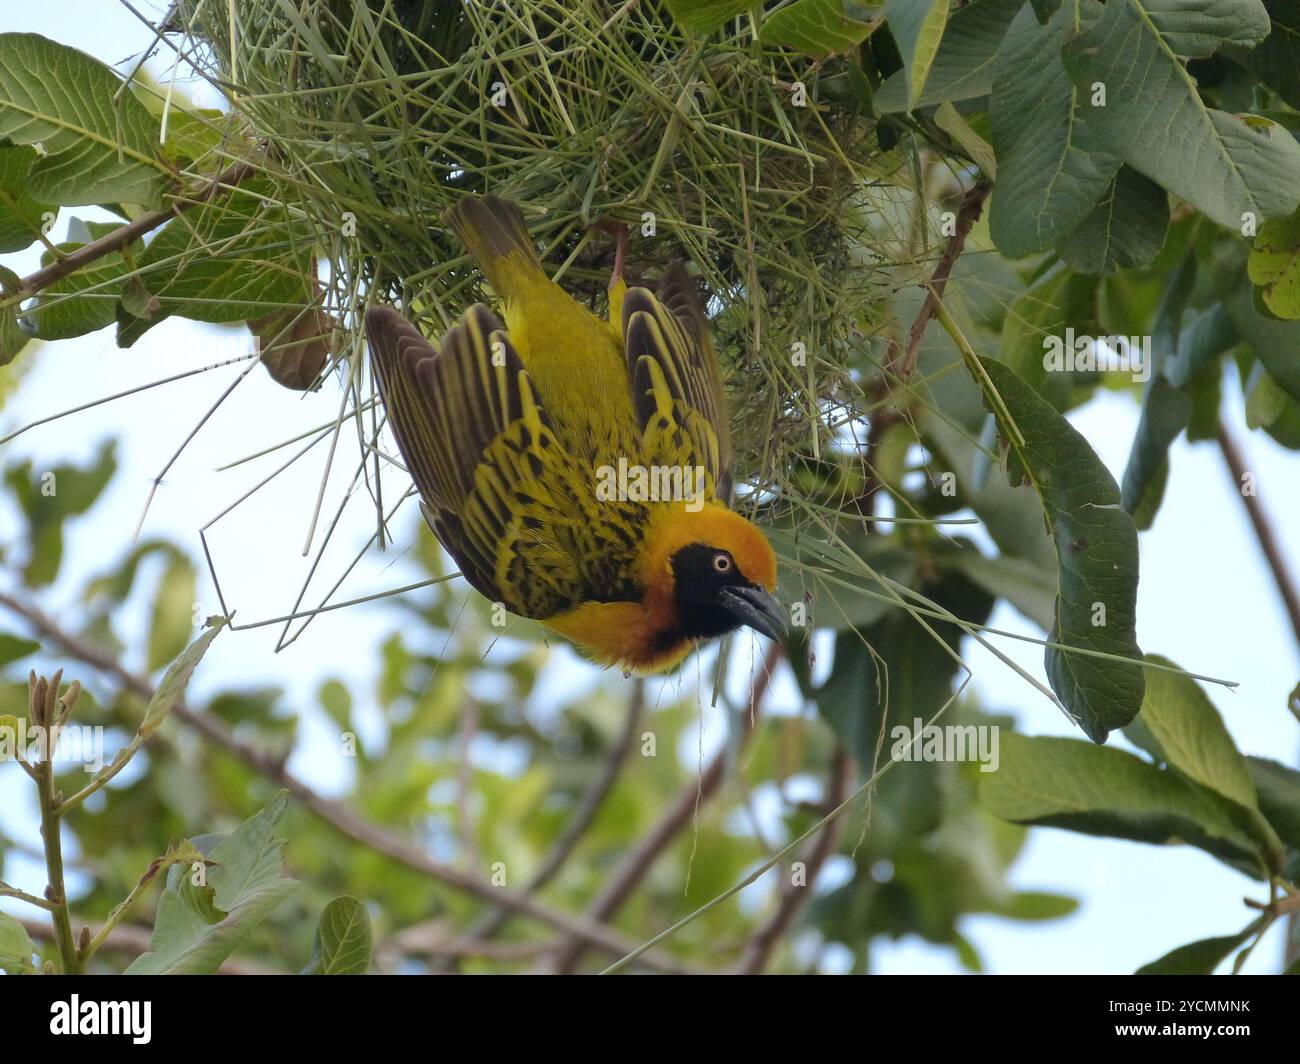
(1037, 905)
(1206, 391)
(1276, 59)
(950, 120)
(1124, 230)
(85, 300)
(12, 338)
(14, 648)
(96, 148)
(895, 670)
(1198, 958)
(1165, 413)
(1058, 300)
(817, 28)
(336, 700)
(198, 926)
(1100, 790)
(171, 689)
(47, 498)
(1096, 547)
(1204, 338)
(1012, 516)
(1199, 27)
(1030, 588)
(191, 135)
(1278, 790)
(849, 89)
(16, 947)
(1281, 423)
(118, 582)
(1266, 402)
(842, 595)
(1044, 9)
(917, 26)
(229, 260)
(1229, 167)
(1047, 183)
(1192, 736)
(21, 217)
(1274, 265)
(703, 16)
(342, 944)
(173, 608)
(1276, 343)
(963, 66)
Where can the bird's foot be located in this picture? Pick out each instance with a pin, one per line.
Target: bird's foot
(619, 231)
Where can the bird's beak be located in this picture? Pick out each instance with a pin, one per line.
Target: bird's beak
(754, 607)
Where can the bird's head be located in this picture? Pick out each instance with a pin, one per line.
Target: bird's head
(712, 571)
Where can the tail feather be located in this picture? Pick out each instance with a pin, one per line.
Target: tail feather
(494, 231)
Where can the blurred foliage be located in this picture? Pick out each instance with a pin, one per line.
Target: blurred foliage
(527, 770)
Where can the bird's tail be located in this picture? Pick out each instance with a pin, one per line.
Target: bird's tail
(494, 231)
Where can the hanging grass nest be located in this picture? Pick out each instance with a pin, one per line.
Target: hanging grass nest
(748, 160)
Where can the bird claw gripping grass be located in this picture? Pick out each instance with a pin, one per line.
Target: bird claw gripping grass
(509, 432)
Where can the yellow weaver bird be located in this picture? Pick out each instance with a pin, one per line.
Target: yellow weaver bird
(510, 432)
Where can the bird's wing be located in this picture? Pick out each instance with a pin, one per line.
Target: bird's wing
(675, 381)
(498, 489)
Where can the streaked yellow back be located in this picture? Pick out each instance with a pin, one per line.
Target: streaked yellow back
(575, 360)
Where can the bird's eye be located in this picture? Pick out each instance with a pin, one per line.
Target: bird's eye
(722, 563)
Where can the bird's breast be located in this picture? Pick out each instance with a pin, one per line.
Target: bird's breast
(626, 635)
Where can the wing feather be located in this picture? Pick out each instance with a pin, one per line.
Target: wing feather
(482, 452)
(675, 380)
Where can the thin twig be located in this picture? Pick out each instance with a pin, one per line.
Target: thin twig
(162, 473)
(120, 395)
(1266, 536)
(592, 799)
(1264, 531)
(45, 710)
(135, 940)
(595, 795)
(792, 898)
(434, 939)
(465, 826)
(125, 234)
(634, 867)
(967, 214)
(6, 891)
(866, 788)
(94, 941)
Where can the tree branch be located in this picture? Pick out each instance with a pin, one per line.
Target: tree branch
(126, 233)
(1286, 588)
(339, 816)
(129, 938)
(1264, 532)
(434, 939)
(47, 711)
(593, 798)
(793, 898)
(6, 891)
(967, 214)
(636, 864)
